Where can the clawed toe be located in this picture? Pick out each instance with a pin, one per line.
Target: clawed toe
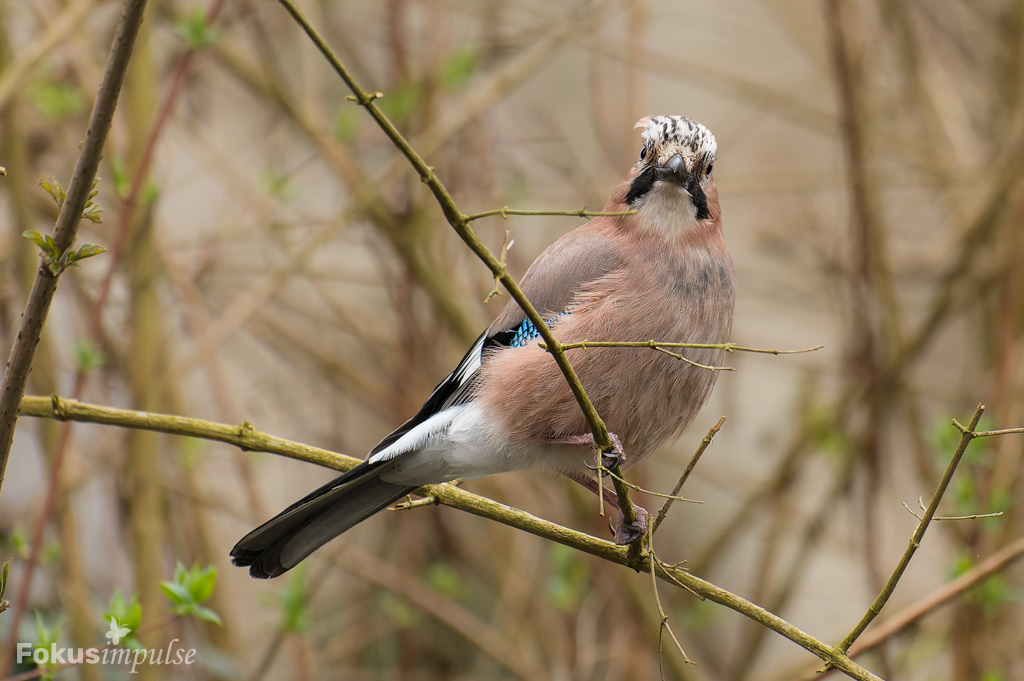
(609, 460)
(627, 533)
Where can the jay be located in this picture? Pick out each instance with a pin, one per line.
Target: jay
(662, 273)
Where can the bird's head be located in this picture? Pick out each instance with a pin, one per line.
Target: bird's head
(671, 183)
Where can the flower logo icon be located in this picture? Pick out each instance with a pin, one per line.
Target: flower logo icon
(117, 632)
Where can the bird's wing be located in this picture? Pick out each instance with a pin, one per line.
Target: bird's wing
(551, 283)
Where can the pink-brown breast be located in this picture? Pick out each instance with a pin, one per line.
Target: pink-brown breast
(676, 288)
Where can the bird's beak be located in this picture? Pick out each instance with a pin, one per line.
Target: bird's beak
(674, 171)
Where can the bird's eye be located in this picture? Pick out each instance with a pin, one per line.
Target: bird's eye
(643, 152)
(708, 171)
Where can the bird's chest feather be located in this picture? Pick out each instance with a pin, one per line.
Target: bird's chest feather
(645, 395)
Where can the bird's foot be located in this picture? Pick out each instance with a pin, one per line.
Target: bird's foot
(609, 460)
(627, 533)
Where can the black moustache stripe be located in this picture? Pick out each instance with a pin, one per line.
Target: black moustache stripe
(641, 185)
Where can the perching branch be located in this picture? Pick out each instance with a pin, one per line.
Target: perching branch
(66, 228)
(248, 438)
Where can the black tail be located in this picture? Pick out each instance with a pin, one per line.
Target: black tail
(284, 541)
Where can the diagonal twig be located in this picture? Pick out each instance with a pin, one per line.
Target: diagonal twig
(66, 227)
(686, 473)
(966, 435)
(459, 222)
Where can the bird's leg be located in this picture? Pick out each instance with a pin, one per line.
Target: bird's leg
(610, 497)
(625, 533)
(610, 460)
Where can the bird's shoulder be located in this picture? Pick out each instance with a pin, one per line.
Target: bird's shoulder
(551, 283)
(565, 269)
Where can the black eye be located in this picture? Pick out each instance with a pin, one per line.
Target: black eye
(643, 152)
(708, 171)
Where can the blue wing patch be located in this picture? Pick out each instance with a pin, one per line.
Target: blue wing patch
(526, 332)
(457, 388)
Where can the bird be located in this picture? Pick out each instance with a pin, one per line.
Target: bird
(660, 271)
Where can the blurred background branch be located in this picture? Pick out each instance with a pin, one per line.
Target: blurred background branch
(288, 268)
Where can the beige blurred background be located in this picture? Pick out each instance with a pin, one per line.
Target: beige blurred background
(284, 265)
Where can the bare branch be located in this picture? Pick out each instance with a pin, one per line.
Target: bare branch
(248, 438)
(686, 473)
(967, 434)
(505, 211)
(66, 228)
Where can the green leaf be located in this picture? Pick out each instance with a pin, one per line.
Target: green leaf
(87, 357)
(178, 593)
(51, 553)
(87, 251)
(201, 586)
(149, 194)
(277, 185)
(570, 579)
(92, 214)
(19, 542)
(195, 29)
(54, 189)
(119, 177)
(38, 239)
(33, 236)
(459, 67)
(189, 589)
(400, 103)
(347, 122)
(205, 613)
(293, 601)
(127, 613)
(445, 579)
(57, 100)
(46, 636)
(4, 573)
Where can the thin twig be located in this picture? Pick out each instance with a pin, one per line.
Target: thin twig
(506, 244)
(686, 473)
(995, 433)
(664, 626)
(66, 228)
(505, 211)
(967, 434)
(633, 486)
(693, 363)
(728, 347)
(995, 563)
(944, 595)
(460, 224)
(937, 518)
(44, 287)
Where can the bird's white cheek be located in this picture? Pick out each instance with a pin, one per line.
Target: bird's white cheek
(667, 208)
